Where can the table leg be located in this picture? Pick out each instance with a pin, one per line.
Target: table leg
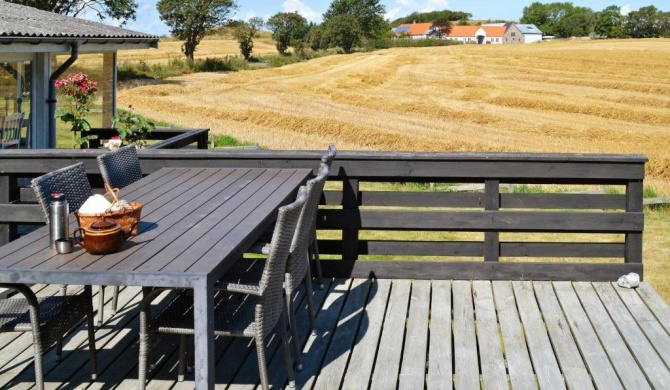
(203, 297)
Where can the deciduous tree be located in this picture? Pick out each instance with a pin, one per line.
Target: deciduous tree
(368, 13)
(121, 10)
(343, 31)
(609, 22)
(245, 33)
(288, 29)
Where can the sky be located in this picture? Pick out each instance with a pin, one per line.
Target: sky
(148, 20)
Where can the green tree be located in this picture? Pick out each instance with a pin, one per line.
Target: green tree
(317, 38)
(609, 22)
(427, 17)
(343, 31)
(122, 10)
(440, 28)
(245, 33)
(368, 13)
(647, 22)
(288, 29)
(190, 20)
(575, 22)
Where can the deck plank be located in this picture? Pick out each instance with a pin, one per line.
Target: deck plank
(466, 375)
(548, 372)
(317, 345)
(592, 351)
(336, 359)
(658, 337)
(389, 354)
(656, 304)
(624, 363)
(494, 373)
(391, 329)
(413, 368)
(362, 358)
(440, 369)
(649, 361)
(519, 365)
(574, 370)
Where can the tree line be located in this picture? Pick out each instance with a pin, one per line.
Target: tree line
(565, 20)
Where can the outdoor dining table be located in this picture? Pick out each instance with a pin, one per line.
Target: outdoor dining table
(196, 222)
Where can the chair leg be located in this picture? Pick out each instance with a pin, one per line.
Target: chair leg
(294, 333)
(314, 254)
(63, 289)
(262, 363)
(91, 342)
(115, 300)
(59, 348)
(101, 305)
(310, 301)
(287, 351)
(37, 346)
(181, 369)
(144, 346)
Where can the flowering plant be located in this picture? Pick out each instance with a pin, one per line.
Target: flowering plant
(133, 127)
(78, 90)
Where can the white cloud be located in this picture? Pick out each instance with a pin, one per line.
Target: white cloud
(392, 14)
(301, 8)
(250, 14)
(435, 5)
(625, 10)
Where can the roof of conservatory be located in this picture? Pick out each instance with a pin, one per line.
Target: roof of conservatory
(19, 23)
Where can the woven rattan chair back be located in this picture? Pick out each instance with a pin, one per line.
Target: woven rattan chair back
(299, 258)
(10, 131)
(121, 167)
(330, 156)
(71, 181)
(271, 303)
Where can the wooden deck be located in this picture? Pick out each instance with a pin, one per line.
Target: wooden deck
(388, 334)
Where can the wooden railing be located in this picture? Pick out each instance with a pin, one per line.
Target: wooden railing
(170, 138)
(386, 230)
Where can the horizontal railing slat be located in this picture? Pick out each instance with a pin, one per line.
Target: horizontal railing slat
(476, 248)
(512, 201)
(21, 213)
(468, 270)
(502, 221)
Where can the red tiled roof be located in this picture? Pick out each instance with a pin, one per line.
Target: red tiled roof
(419, 28)
(463, 31)
(494, 31)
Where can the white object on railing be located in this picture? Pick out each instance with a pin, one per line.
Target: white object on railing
(632, 280)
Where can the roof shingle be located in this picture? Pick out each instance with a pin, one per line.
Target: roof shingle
(18, 21)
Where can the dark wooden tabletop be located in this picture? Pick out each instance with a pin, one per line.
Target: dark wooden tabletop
(195, 223)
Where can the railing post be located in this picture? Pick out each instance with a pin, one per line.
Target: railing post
(634, 203)
(9, 192)
(202, 140)
(492, 203)
(350, 191)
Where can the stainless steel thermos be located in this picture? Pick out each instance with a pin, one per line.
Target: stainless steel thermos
(59, 224)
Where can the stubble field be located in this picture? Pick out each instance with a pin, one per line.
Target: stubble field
(579, 97)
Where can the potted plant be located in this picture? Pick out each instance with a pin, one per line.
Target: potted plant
(133, 128)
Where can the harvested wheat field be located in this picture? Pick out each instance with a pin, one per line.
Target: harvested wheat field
(579, 97)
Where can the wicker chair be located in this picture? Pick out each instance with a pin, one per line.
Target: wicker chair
(254, 315)
(10, 131)
(297, 270)
(48, 318)
(121, 167)
(313, 244)
(72, 182)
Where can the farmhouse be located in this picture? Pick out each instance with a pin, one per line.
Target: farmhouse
(415, 30)
(31, 39)
(522, 33)
(486, 34)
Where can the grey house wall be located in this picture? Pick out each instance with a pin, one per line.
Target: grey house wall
(513, 35)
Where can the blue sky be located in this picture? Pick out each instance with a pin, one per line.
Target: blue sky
(149, 22)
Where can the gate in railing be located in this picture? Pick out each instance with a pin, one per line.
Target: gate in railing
(376, 224)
